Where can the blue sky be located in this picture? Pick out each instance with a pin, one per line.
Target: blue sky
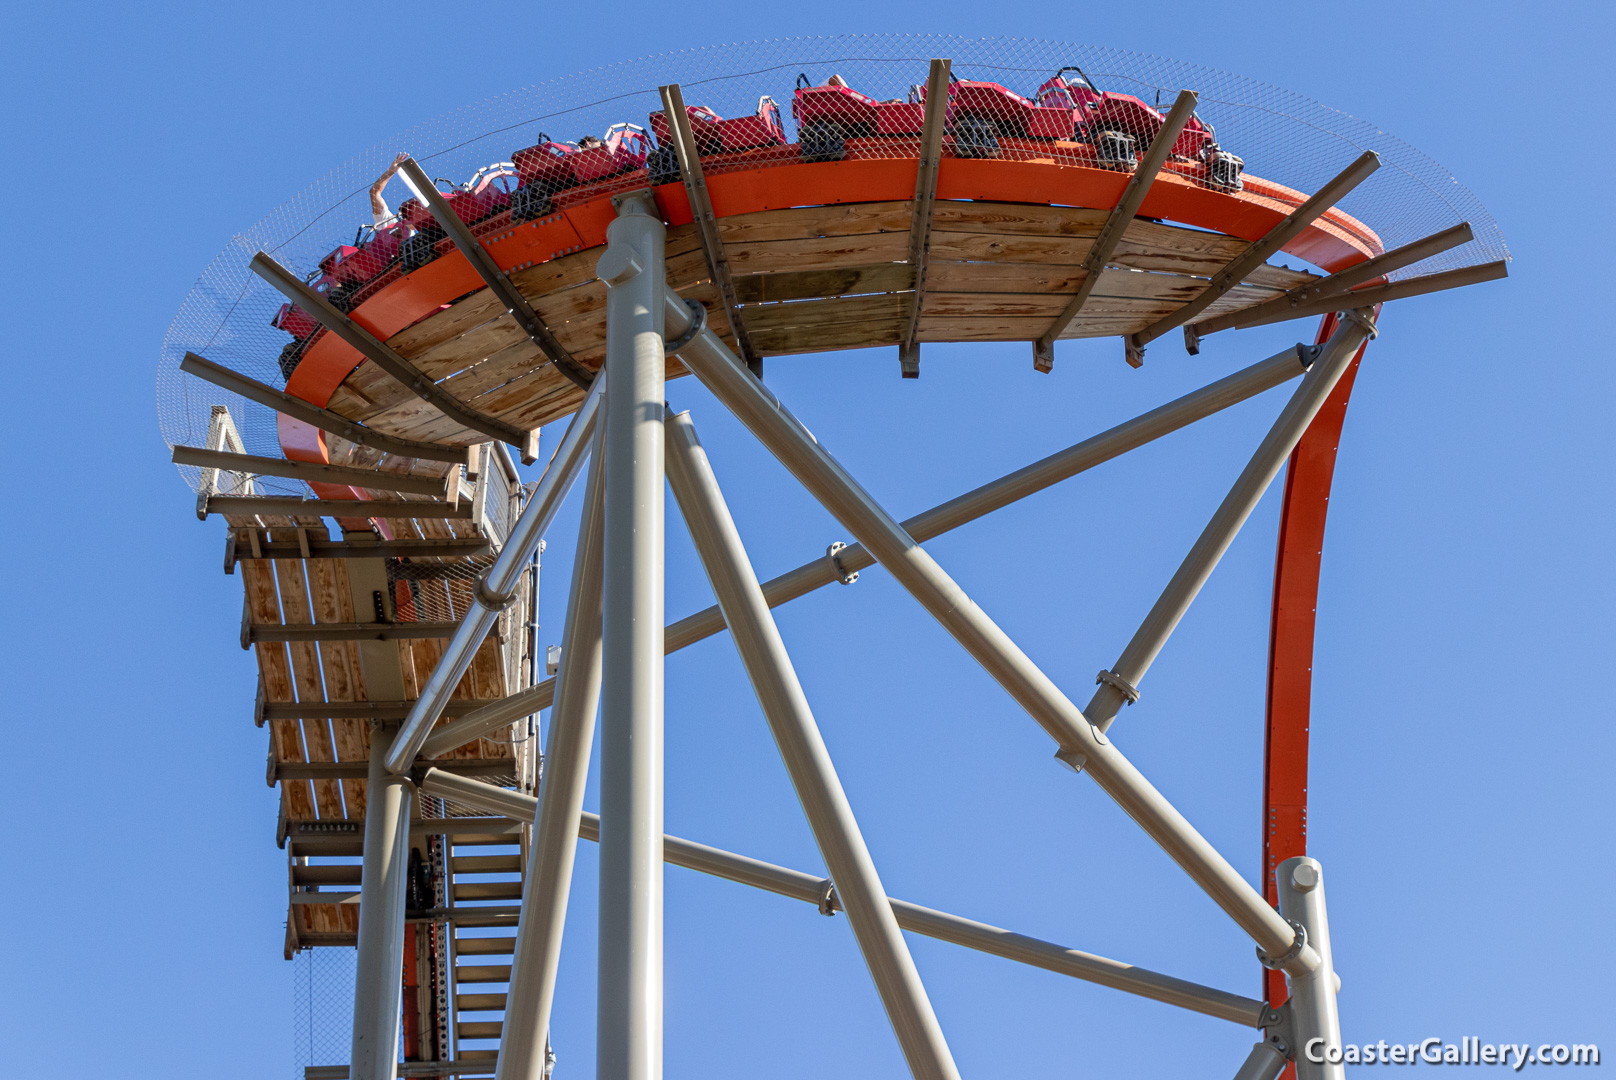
(1462, 721)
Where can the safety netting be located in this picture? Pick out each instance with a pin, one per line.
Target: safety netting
(536, 151)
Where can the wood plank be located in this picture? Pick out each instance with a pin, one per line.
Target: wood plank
(801, 339)
(819, 252)
(823, 313)
(812, 284)
(344, 679)
(307, 681)
(1017, 219)
(275, 671)
(848, 219)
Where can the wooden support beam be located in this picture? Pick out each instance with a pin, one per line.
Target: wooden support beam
(359, 710)
(290, 506)
(1116, 225)
(401, 370)
(931, 153)
(371, 631)
(701, 209)
(1282, 307)
(481, 261)
(1257, 254)
(314, 416)
(442, 487)
(1381, 294)
(357, 770)
(321, 548)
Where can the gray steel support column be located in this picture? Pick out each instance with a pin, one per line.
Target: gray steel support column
(548, 881)
(919, 574)
(1120, 684)
(1263, 1063)
(379, 983)
(1314, 1021)
(806, 758)
(629, 1016)
(498, 586)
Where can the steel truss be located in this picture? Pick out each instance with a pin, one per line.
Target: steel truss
(613, 649)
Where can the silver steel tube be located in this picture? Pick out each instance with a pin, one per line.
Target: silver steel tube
(1263, 1063)
(488, 719)
(810, 889)
(548, 882)
(1254, 480)
(895, 549)
(629, 1013)
(997, 494)
(497, 587)
(806, 758)
(1314, 1020)
(378, 984)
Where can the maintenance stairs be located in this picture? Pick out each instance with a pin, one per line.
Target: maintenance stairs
(485, 875)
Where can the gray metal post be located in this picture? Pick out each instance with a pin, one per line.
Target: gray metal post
(498, 586)
(1315, 1023)
(379, 982)
(548, 881)
(1120, 685)
(629, 1015)
(1263, 1063)
(919, 574)
(769, 668)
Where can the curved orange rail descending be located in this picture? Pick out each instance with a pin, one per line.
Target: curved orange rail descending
(1297, 566)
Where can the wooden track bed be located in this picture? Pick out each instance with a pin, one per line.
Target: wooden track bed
(812, 278)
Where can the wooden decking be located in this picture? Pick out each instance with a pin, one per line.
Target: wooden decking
(814, 279)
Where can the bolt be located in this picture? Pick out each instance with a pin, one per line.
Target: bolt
(1305, 877)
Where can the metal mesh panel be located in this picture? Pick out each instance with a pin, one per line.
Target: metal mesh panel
(531, 151)
(437, 591)
(322, 1006)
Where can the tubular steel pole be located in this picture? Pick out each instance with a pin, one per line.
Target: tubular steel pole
(1263, 1063)
(1120, 685)
(997, 494)
(1313, 1010)
(825, 804)
(810, 889)
(378, 985)
(629, 1016)
(548, 881)
(919, 574)
(497, 587)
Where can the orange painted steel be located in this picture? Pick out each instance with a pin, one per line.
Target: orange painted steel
(1290, 645)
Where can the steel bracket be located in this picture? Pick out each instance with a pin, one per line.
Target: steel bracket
(1306, 354)
(832, 554)
(829, 902)
(1361, 317)
(1121, 685)
(698, 323)
(1277, 963)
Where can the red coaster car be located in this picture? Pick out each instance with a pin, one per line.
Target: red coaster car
(487, 193)
(827, 116)
(1119, 125)
(550, 167)
(714, 135)
(980, 112)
